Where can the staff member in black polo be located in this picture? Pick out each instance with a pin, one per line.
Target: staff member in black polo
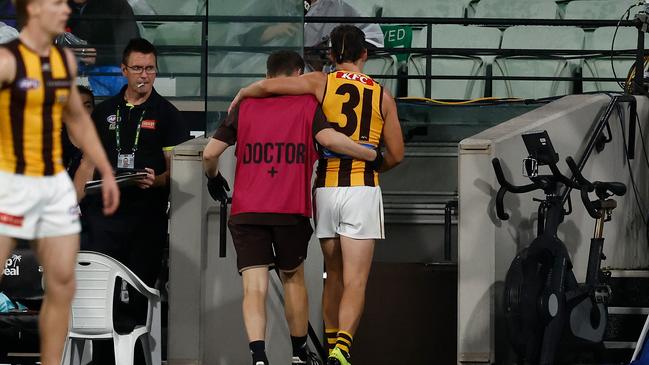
(138, 128)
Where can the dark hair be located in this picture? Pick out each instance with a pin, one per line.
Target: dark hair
(85, 90)
(21, 11)
(284, 63)
(347, 43)
(140, 45)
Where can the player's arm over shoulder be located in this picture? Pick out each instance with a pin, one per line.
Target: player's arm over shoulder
(310, 83)
(392, 135)
(7, 67)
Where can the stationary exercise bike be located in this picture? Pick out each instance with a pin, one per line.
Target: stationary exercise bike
(545, 307)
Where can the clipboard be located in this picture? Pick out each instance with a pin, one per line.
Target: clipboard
(123, 178)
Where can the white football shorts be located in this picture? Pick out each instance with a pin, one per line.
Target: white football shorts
(353, 211)
(36, 207)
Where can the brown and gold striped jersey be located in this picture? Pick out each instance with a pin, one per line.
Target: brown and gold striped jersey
(352, 104)
(31, 108)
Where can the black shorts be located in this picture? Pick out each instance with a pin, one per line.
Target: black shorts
(283, 246)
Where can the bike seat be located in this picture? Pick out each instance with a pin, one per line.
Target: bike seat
(602, 189)
(608, 204)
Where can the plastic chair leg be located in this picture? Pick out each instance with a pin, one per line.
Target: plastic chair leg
(86, 356)
(146, 348)
(75, 352)
(65, 359)
(124, 346)
(155, 336)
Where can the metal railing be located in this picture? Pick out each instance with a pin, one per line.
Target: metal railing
(205, 50)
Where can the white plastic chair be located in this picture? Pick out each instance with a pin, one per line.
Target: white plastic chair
(92, 312)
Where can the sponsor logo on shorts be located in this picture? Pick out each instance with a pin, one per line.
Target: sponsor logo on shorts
(28, 84)
(149, 123)
(12, 267)
(355, 77)
(11, 220)
(74, 211)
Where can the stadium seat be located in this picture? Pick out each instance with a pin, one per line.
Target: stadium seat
(626, 38)
(141, 7)
(424, 8)
(453, 36)
(536, 37)
(383, 65)
(598, 9)
(173, 62)
(235, 63)
(516, 9)
(172, 7)
(178, 34)
(368, 7)
(92, 312)
(235, 34)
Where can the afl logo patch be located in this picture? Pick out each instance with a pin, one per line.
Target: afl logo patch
(28, 84)
(111, 119)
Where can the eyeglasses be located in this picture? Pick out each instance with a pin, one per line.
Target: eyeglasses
(139, 69)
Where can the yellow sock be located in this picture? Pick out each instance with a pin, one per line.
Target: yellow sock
(344, 342)
(332, 335)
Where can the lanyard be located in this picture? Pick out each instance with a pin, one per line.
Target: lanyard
(118, 121)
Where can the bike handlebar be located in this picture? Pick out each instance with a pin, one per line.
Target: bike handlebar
(602, 189)
(563, 178)
(578, 182)
(579, 178)
(585, 187)
(500, 205)
(616, 188)
(500, 176)
(506, 186)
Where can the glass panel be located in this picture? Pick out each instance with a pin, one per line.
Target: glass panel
(239, 45)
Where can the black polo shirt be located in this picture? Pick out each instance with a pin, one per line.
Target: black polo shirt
(161, 129)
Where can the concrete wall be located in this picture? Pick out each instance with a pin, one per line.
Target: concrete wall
(487, 245)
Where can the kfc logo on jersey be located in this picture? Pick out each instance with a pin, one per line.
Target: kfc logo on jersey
(149, 123)
(355, 77)
(28, 84)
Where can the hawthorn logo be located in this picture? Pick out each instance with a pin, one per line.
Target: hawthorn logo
(12, 267)
(355, 77)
